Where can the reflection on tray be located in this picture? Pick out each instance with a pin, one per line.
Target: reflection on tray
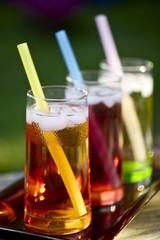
(106, 224)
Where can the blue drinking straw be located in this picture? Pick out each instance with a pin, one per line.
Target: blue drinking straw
(74, 71)
(69, 57)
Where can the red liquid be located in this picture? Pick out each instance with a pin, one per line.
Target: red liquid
(105, 146)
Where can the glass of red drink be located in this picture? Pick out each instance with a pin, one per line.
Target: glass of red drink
(105, 134)
(56, 159)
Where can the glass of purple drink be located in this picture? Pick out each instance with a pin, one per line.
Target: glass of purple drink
(105, 134)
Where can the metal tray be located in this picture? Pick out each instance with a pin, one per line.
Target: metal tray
(107, 222)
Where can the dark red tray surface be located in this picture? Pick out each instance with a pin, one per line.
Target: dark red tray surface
(107, 222)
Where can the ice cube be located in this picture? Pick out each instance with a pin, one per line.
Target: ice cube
(51, 123)
(77, 119)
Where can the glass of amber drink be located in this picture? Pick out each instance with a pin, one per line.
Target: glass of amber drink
(105, 134)
(57, 172)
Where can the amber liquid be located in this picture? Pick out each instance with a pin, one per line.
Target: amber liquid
(105, 146)
(48, 208)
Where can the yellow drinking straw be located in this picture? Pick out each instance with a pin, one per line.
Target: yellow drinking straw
(55, 149)
(32, 76)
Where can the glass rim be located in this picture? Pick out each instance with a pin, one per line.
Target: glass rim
(83, 91)
(106, 73)
(133, 64)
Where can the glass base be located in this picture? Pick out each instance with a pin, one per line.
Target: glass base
(57, 226)
(135, 172)
(103, 197)
(139, 186)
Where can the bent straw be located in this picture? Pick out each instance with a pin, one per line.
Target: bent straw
(129, 115)
(55, 149)
(98, 138)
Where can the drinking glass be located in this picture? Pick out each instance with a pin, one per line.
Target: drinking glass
(57, 172)
(137, 111)
(105, 134)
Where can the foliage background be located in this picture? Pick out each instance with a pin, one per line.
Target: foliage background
(135, 26)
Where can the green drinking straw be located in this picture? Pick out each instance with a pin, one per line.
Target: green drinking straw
(55, 149)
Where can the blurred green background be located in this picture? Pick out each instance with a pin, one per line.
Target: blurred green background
(135, 26)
